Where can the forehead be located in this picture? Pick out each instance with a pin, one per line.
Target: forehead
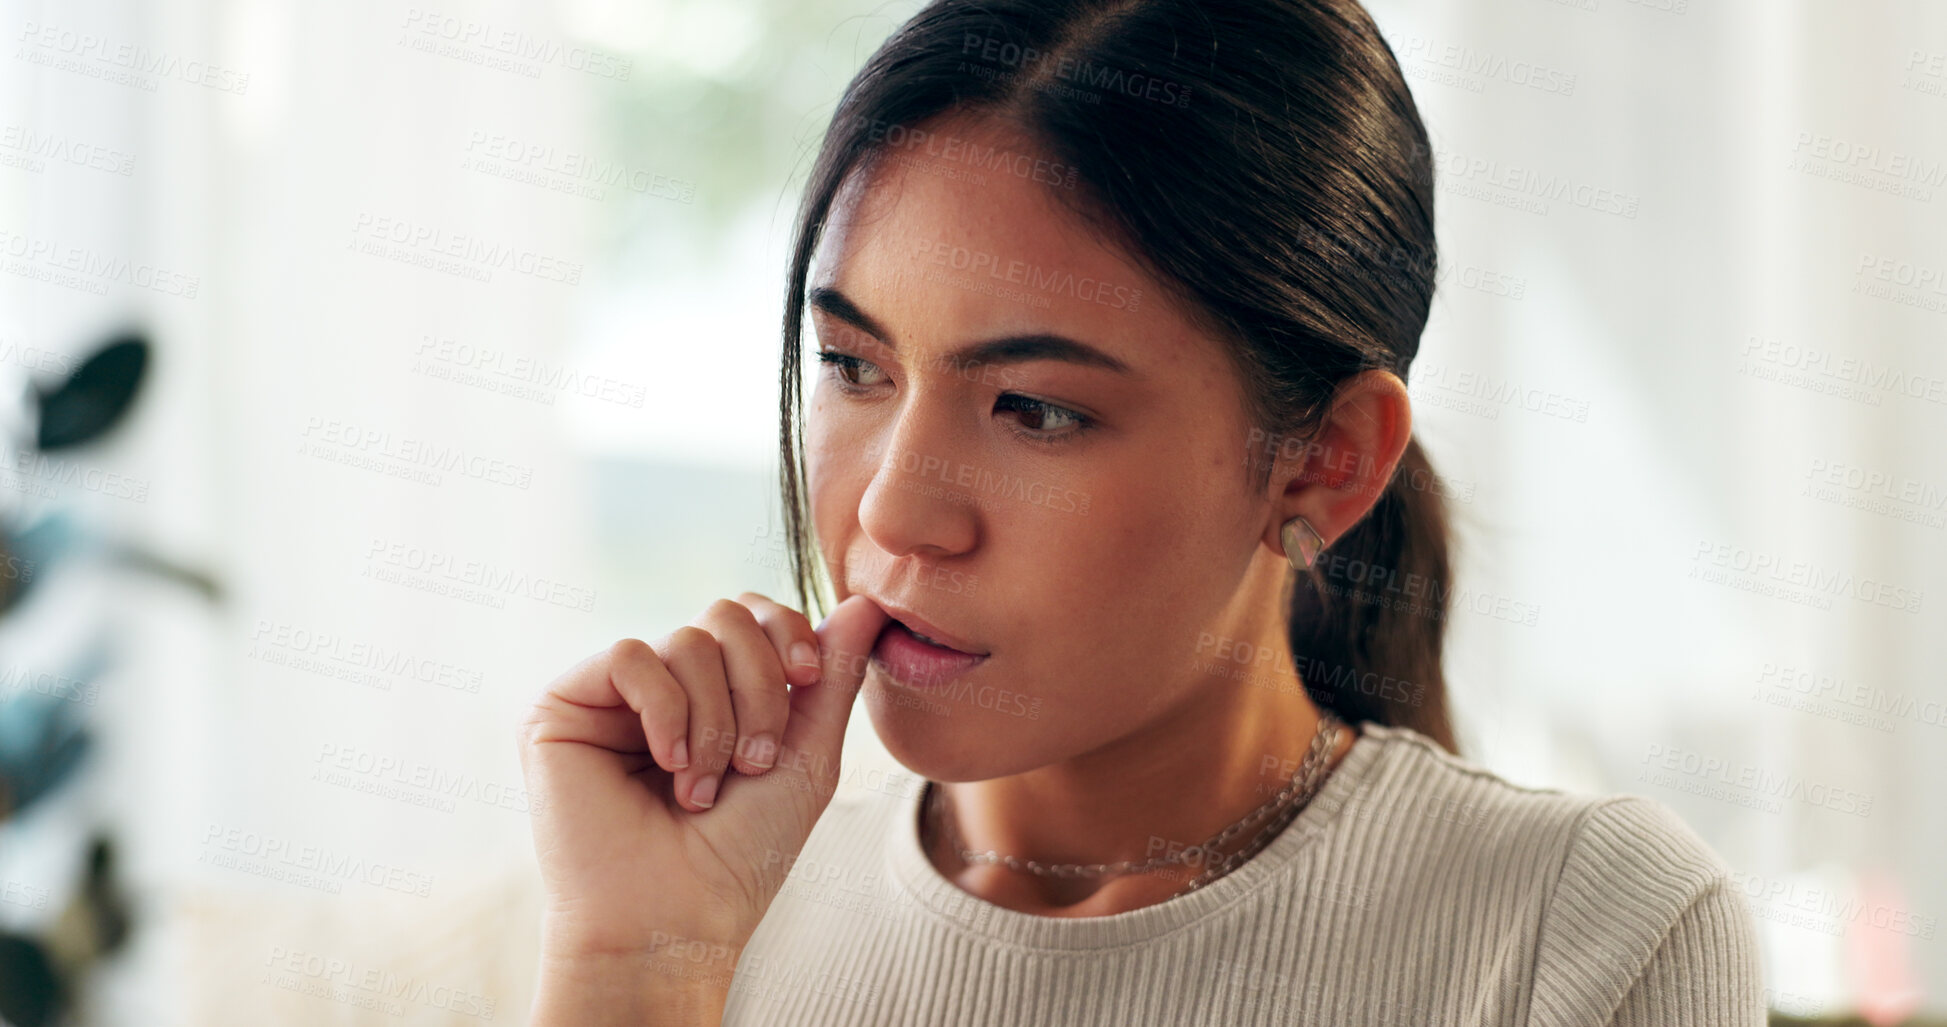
(959, 233)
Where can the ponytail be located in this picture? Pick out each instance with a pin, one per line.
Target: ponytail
(1367, 619)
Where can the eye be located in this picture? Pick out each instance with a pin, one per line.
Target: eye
(848, 367)
(1042, 421)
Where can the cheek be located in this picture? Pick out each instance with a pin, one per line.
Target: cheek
(825, 459)
(1132, 570)
(836, 476)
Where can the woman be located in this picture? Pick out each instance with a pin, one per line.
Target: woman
(1141, 571)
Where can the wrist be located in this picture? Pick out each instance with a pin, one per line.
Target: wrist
(667, 985)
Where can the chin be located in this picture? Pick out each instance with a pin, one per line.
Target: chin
(937, 739)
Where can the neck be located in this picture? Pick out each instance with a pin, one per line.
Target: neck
(1237, 738)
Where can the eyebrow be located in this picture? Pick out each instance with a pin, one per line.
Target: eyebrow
(1012, 349)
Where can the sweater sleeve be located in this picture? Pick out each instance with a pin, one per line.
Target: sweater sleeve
(1704, 973)
(1643, 929)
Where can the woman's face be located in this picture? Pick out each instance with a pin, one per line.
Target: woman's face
(1072, 504)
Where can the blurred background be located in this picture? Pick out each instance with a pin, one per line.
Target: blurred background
(367, 364)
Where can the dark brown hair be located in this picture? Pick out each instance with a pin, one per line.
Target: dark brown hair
(1265, 161)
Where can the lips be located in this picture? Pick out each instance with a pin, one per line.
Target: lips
(930, 632)
(917, 663)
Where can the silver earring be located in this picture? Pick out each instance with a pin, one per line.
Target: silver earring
(1302, 543)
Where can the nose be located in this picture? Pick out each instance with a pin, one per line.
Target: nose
(919, 501)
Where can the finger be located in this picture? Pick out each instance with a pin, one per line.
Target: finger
(819, 715)
(790, 631)
(622, 699)
(660, 703)
(618, 729)
(758, 694)
(696, 659)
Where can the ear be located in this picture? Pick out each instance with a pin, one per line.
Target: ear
(1333, 478)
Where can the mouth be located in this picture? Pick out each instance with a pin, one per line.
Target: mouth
(916, 662)
(916, 654)
(929, 633)
(932, 641)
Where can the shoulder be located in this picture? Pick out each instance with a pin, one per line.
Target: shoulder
(1626, 902)
(1412, 787)
(1645, 924)
(1613, 837)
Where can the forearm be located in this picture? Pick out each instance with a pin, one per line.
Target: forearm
(648, 990)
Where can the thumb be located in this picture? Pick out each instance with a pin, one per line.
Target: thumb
(820, 712)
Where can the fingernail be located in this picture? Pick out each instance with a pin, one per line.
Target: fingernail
(804, 654)
(681, 756)
(763, 750)
(705, 792)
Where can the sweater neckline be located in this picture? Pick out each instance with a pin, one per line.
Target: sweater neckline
(920, 883)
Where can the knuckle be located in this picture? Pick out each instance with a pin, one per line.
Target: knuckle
(729, 610)
(691, 637)
(719, 744)
(533, 728)
(630, 650)
(535, 715)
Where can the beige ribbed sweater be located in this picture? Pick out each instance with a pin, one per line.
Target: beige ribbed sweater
(1415, 889)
